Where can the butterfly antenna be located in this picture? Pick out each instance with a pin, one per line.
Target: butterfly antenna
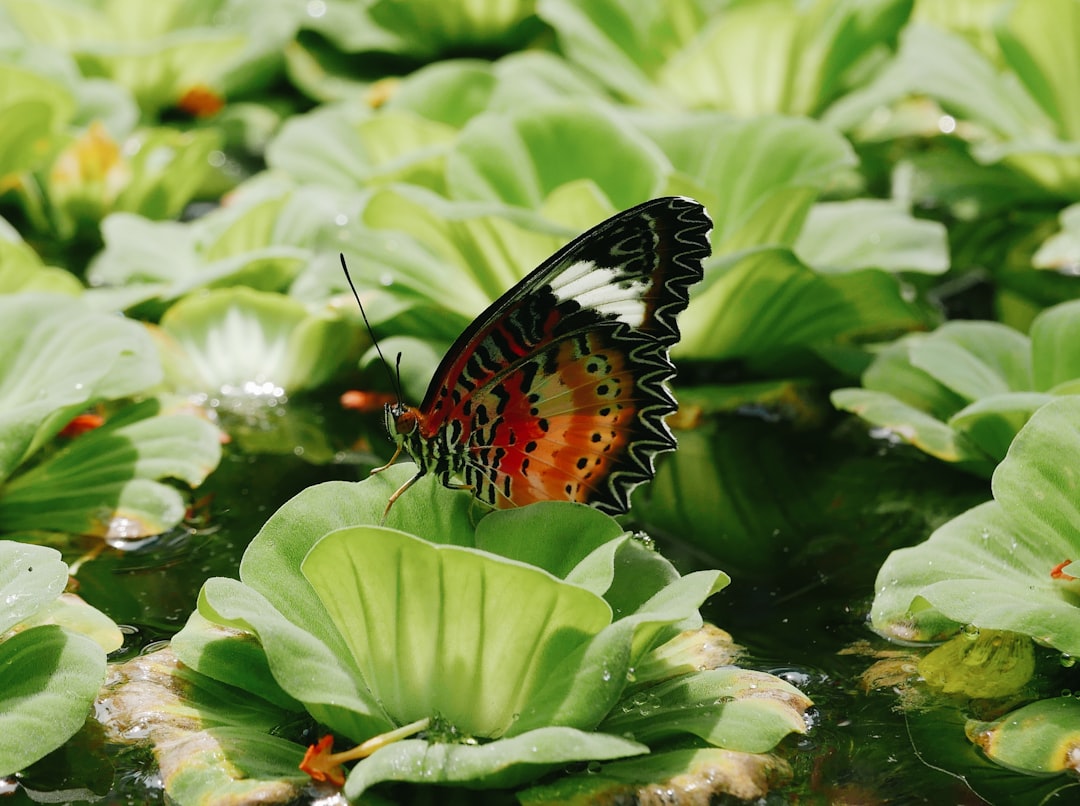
(395, 382)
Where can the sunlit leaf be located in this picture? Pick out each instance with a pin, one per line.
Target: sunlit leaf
(515, 623)
(244, 342)
(30, 577)
(498, 764)
(519, 159)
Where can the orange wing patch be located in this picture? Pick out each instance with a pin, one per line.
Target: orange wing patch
(563, 436)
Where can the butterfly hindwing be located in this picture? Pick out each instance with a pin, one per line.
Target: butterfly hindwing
(586, 432)
(557, 391)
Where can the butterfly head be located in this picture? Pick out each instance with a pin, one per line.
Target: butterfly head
(401, 420)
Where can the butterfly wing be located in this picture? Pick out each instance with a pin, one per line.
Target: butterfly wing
(558, 389)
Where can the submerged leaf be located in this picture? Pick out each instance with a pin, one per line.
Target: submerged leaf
(980, 663)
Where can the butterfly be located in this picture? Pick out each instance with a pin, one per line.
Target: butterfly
(558, 390)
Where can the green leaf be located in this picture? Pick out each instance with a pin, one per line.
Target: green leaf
(1062, 250)
(1027, 34)
(56, 358)
(620, 43)
(248, 243)
(358, 148)
(1053, 344)
(433, 27)
(1038, 739)
(105, 482)
(474, 262)
(975, 359)
(913, 426)
(231, 657)
(271, 563)
(441, 603)
(48, 680)
(239, 341)
(499, 764)
(780, 56)
(521, 158)
(871, 233)
(991, 566)
(757, 178)
(766, 303)
(167, 169)
(76, 616)
(749, 59)
(993, 422)
(22, 270)
(33, 111)
(30, 578)
(732, 708)
(454, 91)
(550, 535)
(315, 670)
(208, 737)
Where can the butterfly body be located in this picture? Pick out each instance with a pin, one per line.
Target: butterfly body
(558, 390)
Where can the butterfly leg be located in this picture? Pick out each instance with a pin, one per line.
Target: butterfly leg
(393, 459)
(398, 492)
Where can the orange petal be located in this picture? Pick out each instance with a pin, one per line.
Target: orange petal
(1058, 571)
(365, 402)
(200, 101)
(318, 764)
(82, 423)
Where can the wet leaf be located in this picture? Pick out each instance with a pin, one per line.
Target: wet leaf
(488, 766)
(980, 663)
(57, 357)
(991, 566)
(108, 481)
(1039, 739)
(48, 679)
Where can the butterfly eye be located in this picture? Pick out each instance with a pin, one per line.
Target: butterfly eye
(405, 420)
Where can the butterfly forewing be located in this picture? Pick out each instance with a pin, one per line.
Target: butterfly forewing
(557, 391)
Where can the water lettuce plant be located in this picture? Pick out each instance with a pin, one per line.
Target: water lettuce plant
(59, 359)
(962, 392)
(52, 655)
(748, 59)
(1006, 90)
(247, 243)
(1004, 566)
(162, 55)
(521, 642)
(240, 354)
